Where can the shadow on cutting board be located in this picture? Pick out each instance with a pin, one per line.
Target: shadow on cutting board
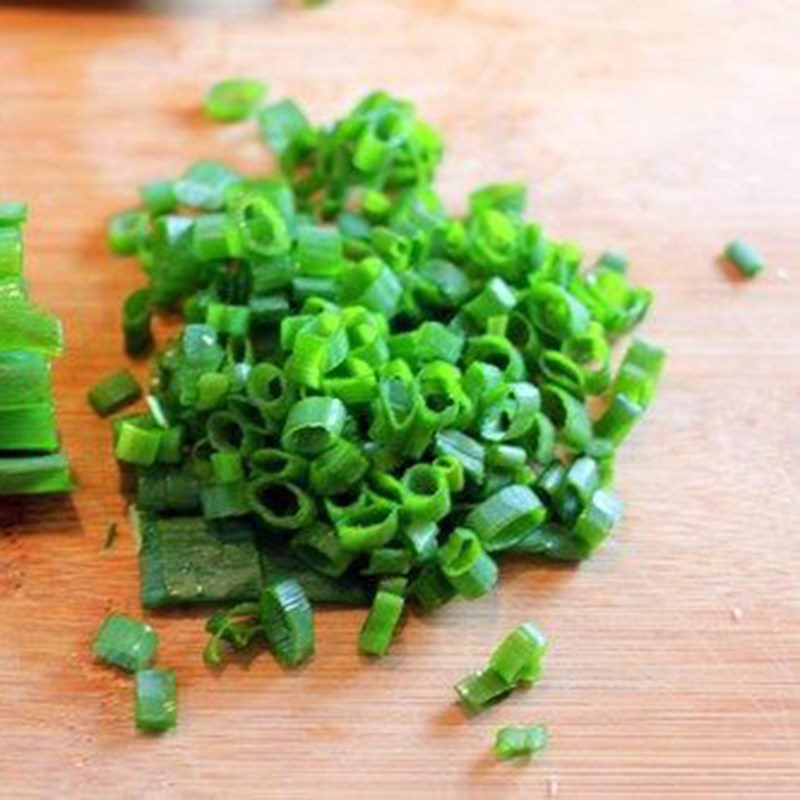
(38, 514)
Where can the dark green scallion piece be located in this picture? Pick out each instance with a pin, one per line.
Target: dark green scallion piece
(156, 700)
(114, 392)
(744, 258)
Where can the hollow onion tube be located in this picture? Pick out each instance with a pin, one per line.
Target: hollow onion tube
(368, 528)
(425, 494)
(281, 505)
(313, 424)
(465, 564)
(381, 623)
(505, 517)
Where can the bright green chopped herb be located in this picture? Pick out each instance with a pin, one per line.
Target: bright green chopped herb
(156, 700)
(287, 621)
(744, 258)
(234, 99)
(114, 392)
(517, 660)
(381, 622)
(520, 740)
(371, 400)
(126, 643)
(30, 461)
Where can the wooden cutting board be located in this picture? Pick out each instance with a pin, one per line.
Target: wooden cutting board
(662, 129)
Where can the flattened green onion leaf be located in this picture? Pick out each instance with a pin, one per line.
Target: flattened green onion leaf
(288, 622)
(156, 700)
(125, 642)
(744, 258)
(234, 99)
(381, 623)
(114, 392)
(520, 740)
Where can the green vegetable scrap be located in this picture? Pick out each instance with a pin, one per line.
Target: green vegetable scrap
(126, 643)
(517, 660)
(520, 740)
(30, 459)
(371, 401)
(746, 260)
(234, 100)
(156, 700)
(114, 392)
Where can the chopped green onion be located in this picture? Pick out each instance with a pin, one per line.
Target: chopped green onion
(156, 700)
(114, 392)
(282, 505)
(431, 588)
(519, 656)
(618, 420)
(137, 445)
(44, 474)
(368, 528)
(520, 740)
(744, 258)
(506, 517)
(234, 99)
(319, 546)
(288, 622)
(136, 320)
(466, 565)
(159, 197)
(28, 428)
(125, 642)
(313, 424)
(479, 690)
(382, 620)
(369, 395)
(126, 232)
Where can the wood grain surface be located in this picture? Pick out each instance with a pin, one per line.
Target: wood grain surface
(660, 128)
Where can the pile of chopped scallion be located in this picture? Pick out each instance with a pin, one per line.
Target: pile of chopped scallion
(31, 461)
(372, 401)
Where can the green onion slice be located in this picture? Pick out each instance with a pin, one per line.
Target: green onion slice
(288, 622)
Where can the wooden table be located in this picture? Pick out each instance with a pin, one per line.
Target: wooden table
(662, 129)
